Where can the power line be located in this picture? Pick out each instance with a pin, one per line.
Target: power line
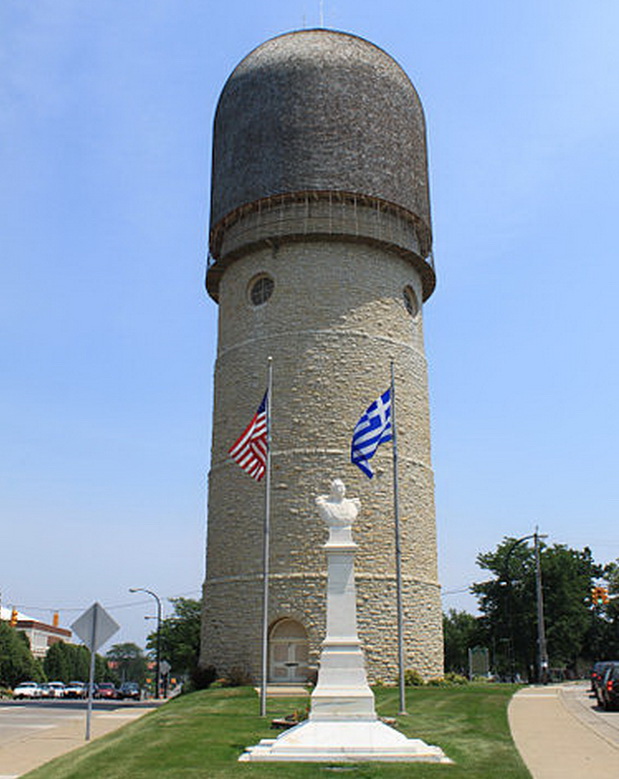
(456, 592)
(115, 607)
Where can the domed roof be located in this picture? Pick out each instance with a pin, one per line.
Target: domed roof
(318, 110)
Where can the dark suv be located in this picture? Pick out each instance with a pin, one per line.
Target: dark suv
(129, 690)
(597, 677)
(609, 689)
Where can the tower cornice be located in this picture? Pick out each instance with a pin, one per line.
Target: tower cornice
(318, 215)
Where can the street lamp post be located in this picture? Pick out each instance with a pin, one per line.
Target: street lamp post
(542, 653)
(158, 646)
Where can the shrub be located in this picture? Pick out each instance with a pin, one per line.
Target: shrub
(413, 678)
(437, 681)
(298, 715)
(238, 677)
(201, 678)
(453, 678)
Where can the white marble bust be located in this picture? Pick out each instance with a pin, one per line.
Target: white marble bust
(336, 510)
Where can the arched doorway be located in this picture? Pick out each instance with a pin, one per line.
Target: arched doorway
(288, 652)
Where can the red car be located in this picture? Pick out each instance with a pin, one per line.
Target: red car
(106, 690)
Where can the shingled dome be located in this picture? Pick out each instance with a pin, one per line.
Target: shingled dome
(318, 111)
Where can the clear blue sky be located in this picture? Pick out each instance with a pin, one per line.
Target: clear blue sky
(107, 336)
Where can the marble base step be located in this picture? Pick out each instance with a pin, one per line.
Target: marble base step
(343, 742)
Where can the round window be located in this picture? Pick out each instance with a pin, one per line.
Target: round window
(260, 289)
(410, 301)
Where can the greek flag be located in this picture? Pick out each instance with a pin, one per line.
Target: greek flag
(373, 429)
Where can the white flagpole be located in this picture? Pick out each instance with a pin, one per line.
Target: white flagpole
(265, 550)
(398, 554)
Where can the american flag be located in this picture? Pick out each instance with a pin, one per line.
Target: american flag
(372, 430)
(250, 451)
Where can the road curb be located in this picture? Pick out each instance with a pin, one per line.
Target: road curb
(591, 721)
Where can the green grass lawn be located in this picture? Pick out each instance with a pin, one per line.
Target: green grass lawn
(202, 735)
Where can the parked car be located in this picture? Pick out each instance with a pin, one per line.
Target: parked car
(129, 690)
(597, 677)
(55, 690)
(609, 689)
(27, 690)
(75, 690)
(95, 687)
(106, 690)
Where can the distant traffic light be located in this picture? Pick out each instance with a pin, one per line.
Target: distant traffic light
(13, 621)
(599, 596)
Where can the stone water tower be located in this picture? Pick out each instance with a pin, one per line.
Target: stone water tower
(320, 245)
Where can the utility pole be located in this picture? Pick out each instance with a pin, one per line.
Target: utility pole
(542, 653)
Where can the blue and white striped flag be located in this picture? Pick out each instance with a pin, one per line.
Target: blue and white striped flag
(373, 429)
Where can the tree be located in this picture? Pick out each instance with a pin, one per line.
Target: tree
(58, 663)
(128, 661)
(508, 604)
(180, 636)
(103, 673)
(605, 635)
(460, 633)
(69, 662)
(568, 576)
(16, 661)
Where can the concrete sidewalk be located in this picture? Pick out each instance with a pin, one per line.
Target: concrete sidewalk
(27, 752)
(560, 737)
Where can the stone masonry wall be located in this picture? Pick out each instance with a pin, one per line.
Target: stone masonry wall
(234, 643)
(335, 318)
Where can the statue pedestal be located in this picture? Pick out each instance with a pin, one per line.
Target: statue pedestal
(342, 725)
(342, 691)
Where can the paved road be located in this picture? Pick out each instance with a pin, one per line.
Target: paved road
(33, 732)
(18, 721)
(19, 718)
(561, 733)
(582, 703)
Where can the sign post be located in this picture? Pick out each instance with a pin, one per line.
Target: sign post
(94, 627)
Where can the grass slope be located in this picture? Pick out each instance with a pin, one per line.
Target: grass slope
(202, 735)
